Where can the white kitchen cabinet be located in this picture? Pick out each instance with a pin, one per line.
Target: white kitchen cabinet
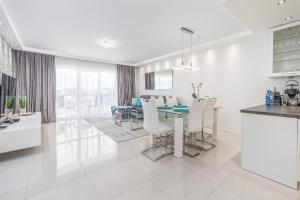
(284, 50)
(270, 147)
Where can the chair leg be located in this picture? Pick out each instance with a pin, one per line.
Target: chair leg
(159, 142)
(189, 148)
(203, 141)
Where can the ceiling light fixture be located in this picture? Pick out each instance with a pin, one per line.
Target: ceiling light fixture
(108, 43)
(183, 66)
(279, 3)
(288, 18)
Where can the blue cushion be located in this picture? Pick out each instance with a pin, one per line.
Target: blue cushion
(125, 108)
(138, 102)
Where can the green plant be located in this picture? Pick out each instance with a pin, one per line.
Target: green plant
(10, 102)
(194, 95)
(22, 102)
(194, 92)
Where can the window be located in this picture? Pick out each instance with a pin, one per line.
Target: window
(84, 92)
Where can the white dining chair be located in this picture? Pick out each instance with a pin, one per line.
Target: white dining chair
(194, 125)
(207, 123)
(160, 133)
(171, 101)
(158, 101)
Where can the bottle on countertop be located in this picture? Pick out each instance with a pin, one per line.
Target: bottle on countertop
(269, 98)
(277, 100)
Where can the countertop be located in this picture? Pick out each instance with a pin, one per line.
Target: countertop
(281, 111)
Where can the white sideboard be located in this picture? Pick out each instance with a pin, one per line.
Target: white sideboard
(23, 134)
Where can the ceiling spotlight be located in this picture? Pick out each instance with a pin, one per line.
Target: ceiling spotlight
(288, 18)
(279, 3)
(108, 43)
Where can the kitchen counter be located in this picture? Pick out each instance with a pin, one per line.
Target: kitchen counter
(280, 111)
(270, 142)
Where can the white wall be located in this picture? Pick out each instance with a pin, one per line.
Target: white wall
(76, 63)
(236, 74)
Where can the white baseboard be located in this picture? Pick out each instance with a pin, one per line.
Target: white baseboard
(235, 132)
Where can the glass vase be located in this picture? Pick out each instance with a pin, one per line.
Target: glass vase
(22, 103)
(10, 104)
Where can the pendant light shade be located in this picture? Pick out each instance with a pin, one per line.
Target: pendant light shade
(186, 66)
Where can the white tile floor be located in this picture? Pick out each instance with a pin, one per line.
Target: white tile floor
(78, 162)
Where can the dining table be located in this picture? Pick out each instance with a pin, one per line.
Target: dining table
(179, 112)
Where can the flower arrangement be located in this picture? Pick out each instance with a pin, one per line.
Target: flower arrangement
(196, 90)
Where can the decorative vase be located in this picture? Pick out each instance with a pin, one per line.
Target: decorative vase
(22, 110)
(22, 104)
(10, 104)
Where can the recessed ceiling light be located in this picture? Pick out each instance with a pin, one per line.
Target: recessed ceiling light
(279, 3)
(288, 18)
(108, 43)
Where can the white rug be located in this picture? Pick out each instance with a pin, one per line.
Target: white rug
(117, 133)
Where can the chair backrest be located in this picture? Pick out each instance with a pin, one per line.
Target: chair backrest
(195, 115)
(158, 101)
(171, 101)
(133, 101)
(150, 116)
(208, 112)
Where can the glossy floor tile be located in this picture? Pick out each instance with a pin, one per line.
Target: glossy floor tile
(221, 194)
(146, 191)
(77, 161)
(116, 180)
(77, 190)
(184, 183)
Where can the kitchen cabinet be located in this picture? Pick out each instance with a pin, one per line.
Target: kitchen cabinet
(285, 50)
(270, 143)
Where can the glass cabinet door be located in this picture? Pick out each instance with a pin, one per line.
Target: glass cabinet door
(286, 50)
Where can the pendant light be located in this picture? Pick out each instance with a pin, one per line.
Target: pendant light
(183, 66)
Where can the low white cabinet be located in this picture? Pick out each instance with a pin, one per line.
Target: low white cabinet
(23, 134)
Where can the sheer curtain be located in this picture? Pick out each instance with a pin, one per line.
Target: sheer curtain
(85, 89)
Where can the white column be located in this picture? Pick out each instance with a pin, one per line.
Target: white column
(178, 138)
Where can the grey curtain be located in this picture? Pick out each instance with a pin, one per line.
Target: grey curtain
(126, 83)
(150, 81)
(36, 79)
(8, 89)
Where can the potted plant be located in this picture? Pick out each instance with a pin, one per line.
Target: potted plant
(10, 102)
(22, 104)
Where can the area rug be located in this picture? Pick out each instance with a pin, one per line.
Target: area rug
(117, 133)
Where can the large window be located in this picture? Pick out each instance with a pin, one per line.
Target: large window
(84, 92)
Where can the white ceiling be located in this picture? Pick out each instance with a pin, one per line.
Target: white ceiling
(144, 29)
(263, 14)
